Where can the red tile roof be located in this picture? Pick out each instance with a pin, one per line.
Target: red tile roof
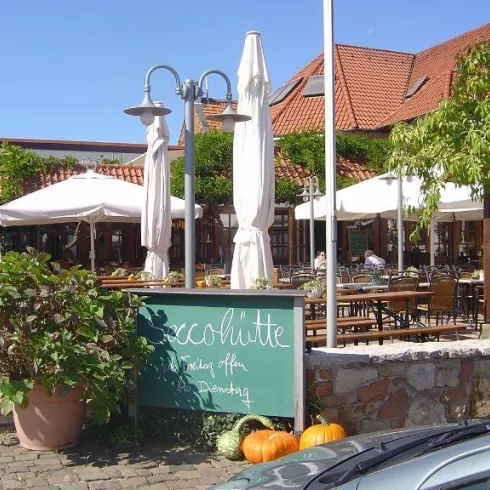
(424, 101)
(135, 175)
(370, 86)
(123, 172)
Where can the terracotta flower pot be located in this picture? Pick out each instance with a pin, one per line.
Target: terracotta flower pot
(50, 422)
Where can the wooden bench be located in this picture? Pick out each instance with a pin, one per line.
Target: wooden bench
(421, 332)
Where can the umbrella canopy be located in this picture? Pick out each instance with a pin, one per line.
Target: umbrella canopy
(89, 197)
(156, 221)
(253, 169)
(374, 196)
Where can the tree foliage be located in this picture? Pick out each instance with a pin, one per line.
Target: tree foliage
(17, 165)
(307, 148)
(452, 143)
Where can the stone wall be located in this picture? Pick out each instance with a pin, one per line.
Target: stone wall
(368, 388)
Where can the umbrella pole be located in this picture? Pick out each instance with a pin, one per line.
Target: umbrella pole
(92, 246)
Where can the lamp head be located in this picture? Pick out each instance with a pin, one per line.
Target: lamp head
(318, 193)
(389, 178)
(228, 118)
(147, 110)
(304, 194)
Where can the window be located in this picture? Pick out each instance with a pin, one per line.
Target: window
(315, 86)
(282, 92)
(280, 238)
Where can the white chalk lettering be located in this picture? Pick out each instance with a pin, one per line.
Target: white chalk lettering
(198, 365)
(242, 393)
(230, 363)
(230, 331)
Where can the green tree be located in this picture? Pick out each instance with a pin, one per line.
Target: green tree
(452, 143)
(214, 180)
(307, 148)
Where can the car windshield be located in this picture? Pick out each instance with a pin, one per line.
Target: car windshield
(389, 450)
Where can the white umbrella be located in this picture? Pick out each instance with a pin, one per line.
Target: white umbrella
(253, 169)
(156, 221)
(374, 196)
(89, 197)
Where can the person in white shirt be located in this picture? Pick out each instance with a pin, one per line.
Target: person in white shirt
(372, 259)
(320, 260)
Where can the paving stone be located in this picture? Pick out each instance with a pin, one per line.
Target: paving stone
(12, 484)
(136, 481)
(36, 482)
(181, 484)
(61, 477)
(27, 457)
(80, 485)
(92, 466)
(92, 474)
(104, 485)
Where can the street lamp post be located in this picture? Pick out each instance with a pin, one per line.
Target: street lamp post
(311, 190)
(389, 178)
(189, 91)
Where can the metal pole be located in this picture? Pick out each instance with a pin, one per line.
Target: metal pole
(432, 241)
(312, 228)
(92, 246)
(400, 224)
(330, 173)
(189, 96)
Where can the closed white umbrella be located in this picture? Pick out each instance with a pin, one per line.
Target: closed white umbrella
(89, 197)
(156, 221)
(253, 169)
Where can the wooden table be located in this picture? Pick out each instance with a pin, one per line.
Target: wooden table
(377, 301)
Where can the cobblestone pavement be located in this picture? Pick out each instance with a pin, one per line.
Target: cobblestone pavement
(92, 466)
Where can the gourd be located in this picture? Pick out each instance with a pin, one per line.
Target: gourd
(267, 445)
(320, 433)
(229, 443)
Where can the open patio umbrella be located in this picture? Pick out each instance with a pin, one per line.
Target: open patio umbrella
(156, 221)
(89, 197)
(253, 169)
(374, 196)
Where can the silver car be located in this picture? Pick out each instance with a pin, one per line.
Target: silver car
(452, 456)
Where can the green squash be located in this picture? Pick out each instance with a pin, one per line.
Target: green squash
(229, 443)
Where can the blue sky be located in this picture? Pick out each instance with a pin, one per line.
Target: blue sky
(70, 67)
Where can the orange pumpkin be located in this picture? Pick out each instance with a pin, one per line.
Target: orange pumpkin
(320, 433)
(267, 445)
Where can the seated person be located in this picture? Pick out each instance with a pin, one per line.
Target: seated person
(372, 259)
(320, 260)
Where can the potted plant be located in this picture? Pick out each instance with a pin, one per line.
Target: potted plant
(120, 272)
(260, 283)
(213, 281)
(63, 341)
(377, 278)
(173, 277)
(478, 274)
(314, 288)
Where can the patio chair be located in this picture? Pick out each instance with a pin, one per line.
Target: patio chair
(215, 271)
(357, 278)
(401, 307)
(443, 300)
(299, 278)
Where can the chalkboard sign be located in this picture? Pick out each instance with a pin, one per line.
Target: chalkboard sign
(223, 352)
(357, 242)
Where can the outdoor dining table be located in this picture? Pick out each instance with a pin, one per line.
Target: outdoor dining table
(378, 302)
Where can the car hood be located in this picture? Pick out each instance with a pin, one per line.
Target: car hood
(296, 470)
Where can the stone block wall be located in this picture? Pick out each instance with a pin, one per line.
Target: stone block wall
(369, 388)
